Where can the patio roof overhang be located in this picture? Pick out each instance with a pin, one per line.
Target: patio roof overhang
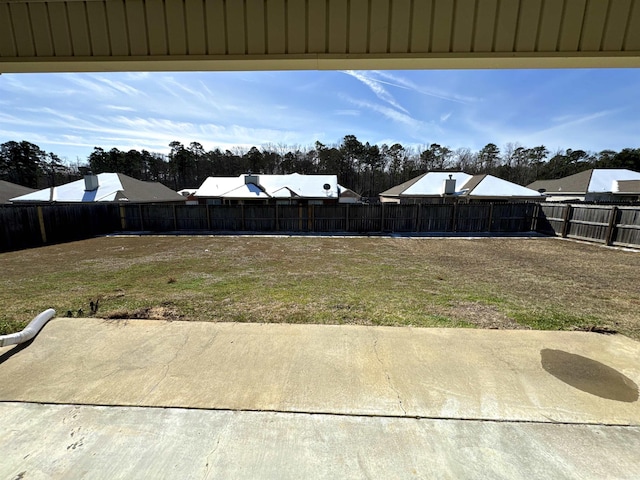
(215, 35)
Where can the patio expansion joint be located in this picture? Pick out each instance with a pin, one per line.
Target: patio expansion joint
(333, 414)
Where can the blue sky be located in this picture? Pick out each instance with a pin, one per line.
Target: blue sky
(69, 114)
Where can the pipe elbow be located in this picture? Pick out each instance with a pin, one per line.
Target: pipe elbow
(30, 331)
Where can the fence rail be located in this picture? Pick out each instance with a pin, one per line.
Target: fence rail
(607, 224)
(31, 226)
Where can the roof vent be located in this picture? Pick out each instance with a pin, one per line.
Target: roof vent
(249, 178)
(449, 186)
(90, 182)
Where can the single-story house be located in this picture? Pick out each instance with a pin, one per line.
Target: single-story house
(593, 185)
(627, 190)
(9, 190)
(104, 187)
(348, 196)
(446, 187)
(291, 189)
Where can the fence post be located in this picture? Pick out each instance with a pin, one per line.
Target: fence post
(242, 225)
(43, 232)
(565, 221)
(454, 217)
(140, 213)
(612, 226)
(208, 218)
(382, 218)
(300, 217)
(277, 219)
(535, 217)
(175, 219)
(490, 217)
(123, 218)
(418, 217)
(346, 226)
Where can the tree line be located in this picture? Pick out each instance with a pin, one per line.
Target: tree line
(365, 168)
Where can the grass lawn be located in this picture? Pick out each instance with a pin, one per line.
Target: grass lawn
(488, 283)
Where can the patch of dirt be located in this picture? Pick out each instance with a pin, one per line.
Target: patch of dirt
(148, 313)
(604, 330)
(484, 316)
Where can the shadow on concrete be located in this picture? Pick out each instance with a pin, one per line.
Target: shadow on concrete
(589, 375)
(18, 348)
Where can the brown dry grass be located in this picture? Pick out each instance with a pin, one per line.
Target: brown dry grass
(488, 283)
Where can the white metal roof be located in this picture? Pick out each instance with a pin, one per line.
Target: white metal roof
(276, 186)
(606, 179)
(431, 183)
(245, 191)
(112, 187)
(108, 187)
(491, 186)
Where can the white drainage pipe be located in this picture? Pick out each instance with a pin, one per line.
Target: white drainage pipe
(30, 330)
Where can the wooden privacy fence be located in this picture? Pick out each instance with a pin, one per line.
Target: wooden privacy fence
(608, 224)
(486, 217)
(23, 226)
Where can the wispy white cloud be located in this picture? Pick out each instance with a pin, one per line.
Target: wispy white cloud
(570, 130)
(127, 132)
(563, 121)
(403, 82)
(389, 113)
(412, 128)
(74, 112)
(84, 84)
(35, 87)
(119, 108)
(121, 87)
(178, 89)
(137, 76)
(376, 87)
(348, 112)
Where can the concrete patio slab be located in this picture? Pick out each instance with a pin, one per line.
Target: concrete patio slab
(435, 373)
(90, 398)
(160, 443)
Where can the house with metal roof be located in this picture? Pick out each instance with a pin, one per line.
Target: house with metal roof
(269, 189)
(446, 187)
(593, 185)
(104, 187)
(9, 190)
